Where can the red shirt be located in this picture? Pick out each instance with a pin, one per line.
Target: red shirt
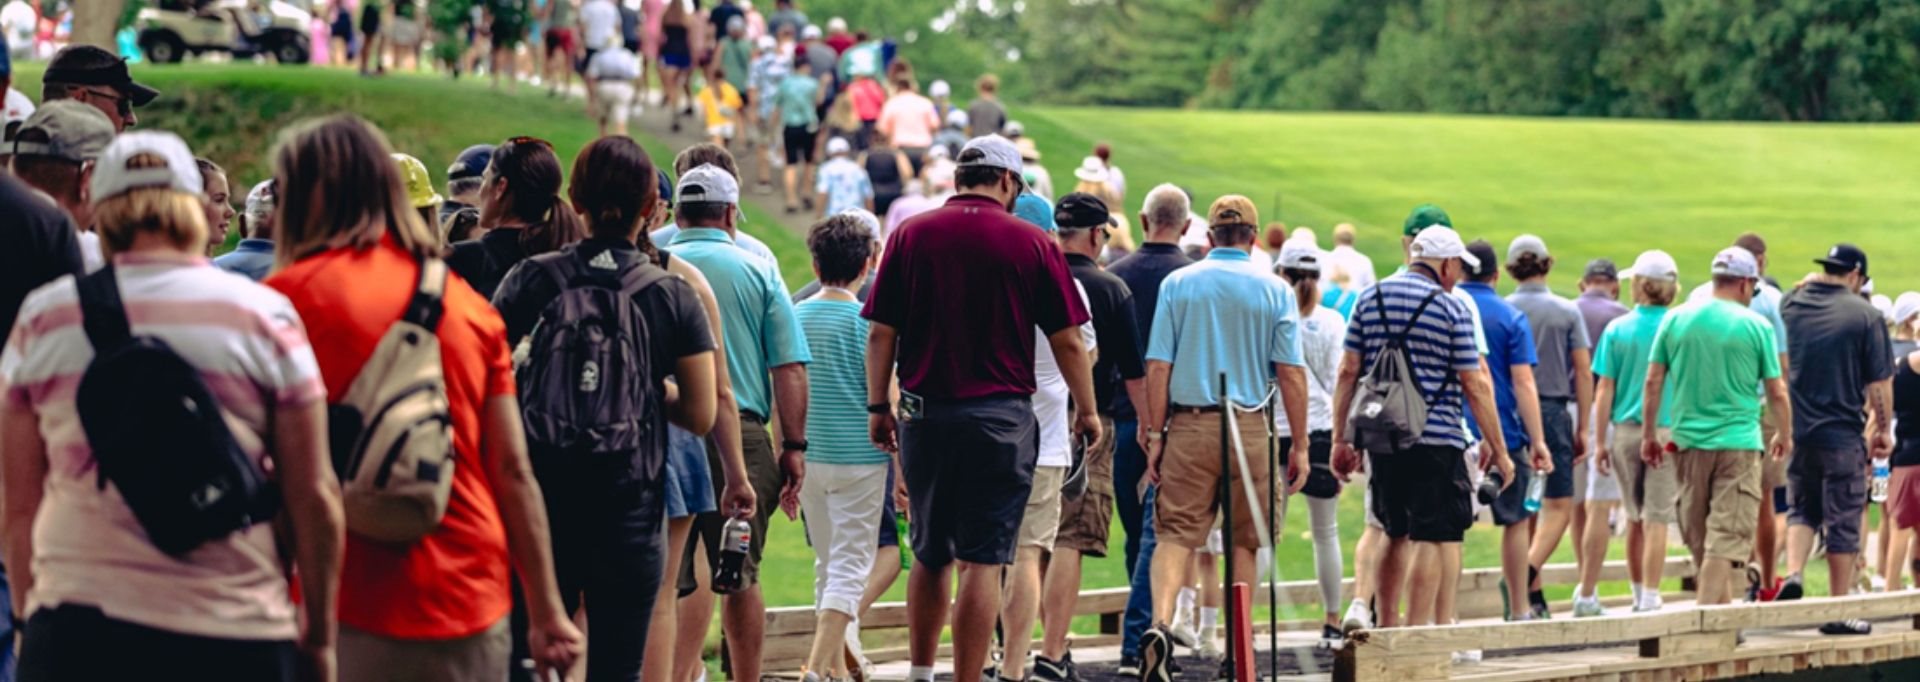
(965, 285)
(841, 42)
(454, 582)
(868, 98)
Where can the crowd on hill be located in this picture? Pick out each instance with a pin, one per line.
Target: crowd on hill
(411, 430)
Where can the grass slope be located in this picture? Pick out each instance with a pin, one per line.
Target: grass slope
(1591, 188)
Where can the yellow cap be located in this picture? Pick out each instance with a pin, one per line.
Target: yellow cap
(419, 185)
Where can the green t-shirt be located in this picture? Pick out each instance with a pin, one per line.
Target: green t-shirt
(737, 57)
(795, 98)
(1714, 352)
(1622, 356)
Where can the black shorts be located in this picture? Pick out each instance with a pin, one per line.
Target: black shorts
(1421, 493)
(1557, 421)
(1510, 508)
(67, 643)
(969, 467)
(1827, 488)
(1321, 483)
(799, 143)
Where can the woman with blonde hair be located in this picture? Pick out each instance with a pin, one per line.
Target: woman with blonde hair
(353, 257)
(218, 603)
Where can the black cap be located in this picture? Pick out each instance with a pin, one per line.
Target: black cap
(89, 65)
(1080, 210)
(471, 163)
(1489, 261)
(666, 186)
(1602, 268)
(1846, 257)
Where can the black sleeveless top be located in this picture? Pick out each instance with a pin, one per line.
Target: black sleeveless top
(1906, 412)
(883, 170)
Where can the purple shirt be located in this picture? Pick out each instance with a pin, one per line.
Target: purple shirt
(1598, 309)
(964, 285)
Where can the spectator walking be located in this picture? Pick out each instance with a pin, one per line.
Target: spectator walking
(771, 66)
(1903, 486)
(914, 202)
(723, 106)
(966, 431)
(1164, 216)
(887, 171)
(1564, 377)
(372, 15)
(96, 77)
(1592, 524)
(710, 154)
(610, 74)
(1842, 388)
(985, 115)
(953, 135)
(1039, 181)
(908, 121)
(464, 182)
(797, 104)
(351, 252)
(766, 359)
(867, 98)
(53, 152)
(843, 185)
(1599, 299)
(786, 16)
(1710, 350)
(1648, 493)
(1116, 179)
(1349, 260)
(253, 256)
(1223, 298)
(520, 211)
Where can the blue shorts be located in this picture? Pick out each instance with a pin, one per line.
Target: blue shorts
(689, 481)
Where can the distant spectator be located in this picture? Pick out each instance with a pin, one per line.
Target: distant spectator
(837, 36)
(868, 99)
(954, 135)
(888, 170)
(1118, 179)
(914, 202)
(795, 103)
(986, 114)
(786, 16)
(908, 121)
(253, 256)
(843, 184)
(1356, 266)
(722, 104)
(97, 77)
(53, 152)
(1038, 179)
(942, 95)
(611, 73)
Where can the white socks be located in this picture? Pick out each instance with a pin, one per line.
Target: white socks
(1209, 617)
(1637, 589)
(920, 673)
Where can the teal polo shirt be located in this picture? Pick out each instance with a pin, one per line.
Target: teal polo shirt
(1622, 356)
(1223, 314)
(760, 329)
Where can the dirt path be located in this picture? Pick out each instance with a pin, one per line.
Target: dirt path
(654, 122)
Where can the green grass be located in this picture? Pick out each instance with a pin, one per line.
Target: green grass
(1591, 188)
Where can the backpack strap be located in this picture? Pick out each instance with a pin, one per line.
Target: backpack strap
(639, 278)
(1417, 312)
(559, 267)
(102, 313)
(425, 307)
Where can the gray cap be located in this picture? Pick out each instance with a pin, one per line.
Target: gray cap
(709, 184)
(260, 201)
(73, 130)
(112, 178)
(997, 152)
(1525, 244)
(1734, 261)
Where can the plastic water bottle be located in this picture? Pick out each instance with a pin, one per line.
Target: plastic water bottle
(1536, 491)
(1880, 474)
(901, 535)
(736, 539)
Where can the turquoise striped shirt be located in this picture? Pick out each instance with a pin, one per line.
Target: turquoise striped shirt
(837, 383)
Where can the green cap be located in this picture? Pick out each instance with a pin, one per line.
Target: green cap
(1423, 217)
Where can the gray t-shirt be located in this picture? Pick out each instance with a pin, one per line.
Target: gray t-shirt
(1558, 330)
(1838, 345)
(985, 117)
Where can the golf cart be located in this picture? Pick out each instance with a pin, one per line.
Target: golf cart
(243, 28)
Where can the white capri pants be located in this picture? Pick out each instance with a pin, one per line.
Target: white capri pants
(842, 503)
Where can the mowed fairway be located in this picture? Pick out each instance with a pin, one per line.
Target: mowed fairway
(1591, 188)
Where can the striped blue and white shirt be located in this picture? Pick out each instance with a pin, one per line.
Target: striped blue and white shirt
(1439, 344)
(837, 383)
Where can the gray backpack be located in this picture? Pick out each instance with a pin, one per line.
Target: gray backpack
(1389, 414)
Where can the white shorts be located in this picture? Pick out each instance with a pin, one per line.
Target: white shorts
(1600, 487)
(723, 131)
(613, 100)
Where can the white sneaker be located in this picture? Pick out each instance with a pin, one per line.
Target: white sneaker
(1879, 583)
(1649, 603)
(1588, 607)
(1209, 649)
(1359, 617)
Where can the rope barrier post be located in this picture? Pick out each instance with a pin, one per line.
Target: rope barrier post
(1226, 507)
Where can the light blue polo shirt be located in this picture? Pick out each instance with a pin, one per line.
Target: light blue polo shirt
(760, 328)
(663, 237)
(1223, 314)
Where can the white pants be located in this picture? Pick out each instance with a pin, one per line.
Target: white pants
(842, 503)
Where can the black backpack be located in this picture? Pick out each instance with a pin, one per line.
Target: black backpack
(159, 435)
(586, 383)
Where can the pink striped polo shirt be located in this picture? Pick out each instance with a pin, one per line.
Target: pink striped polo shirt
(88, 549)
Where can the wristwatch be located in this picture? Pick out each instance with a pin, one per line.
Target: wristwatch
(879, 408)
(793, 445)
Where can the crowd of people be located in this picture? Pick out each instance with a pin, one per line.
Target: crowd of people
(462, 414)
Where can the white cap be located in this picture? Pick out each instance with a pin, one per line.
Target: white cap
(1905, 307)
(939, 151)
(1442, 242)
(811, 32)
(708, 184)
(1734, 261)
(838, 146)
(1882, 304)
(1014, 129)
(1656, 265)
(837, 25)
(260, 201)
(1525, 244)
(939, 89)
(1091, 169)
(767, 42)
(997, 153)
(1300, 255)
(958, 118)
(112, 178)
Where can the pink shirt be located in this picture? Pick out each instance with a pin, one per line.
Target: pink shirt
(88, 549)
(867, 98)
(909, 120)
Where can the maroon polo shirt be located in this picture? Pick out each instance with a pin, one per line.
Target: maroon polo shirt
(965, 285)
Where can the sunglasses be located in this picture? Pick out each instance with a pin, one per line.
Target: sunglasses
(121, 103)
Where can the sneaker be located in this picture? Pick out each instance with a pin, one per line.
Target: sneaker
(1506, 602)
(1331, 638)
(1537, 601)
(1468, 656)
(810, 676)
(1648, 604)
(1359, 617)
(1073, 671)
(1184, 634)
(1209, 649)
(1588, 607)
(1791, 590)
(1772, 593)
(1156, 651)
(1753, 584)
(1877, 583)
(1129, 667)
(1049, 670)
(1541, 612)
(1847, 627)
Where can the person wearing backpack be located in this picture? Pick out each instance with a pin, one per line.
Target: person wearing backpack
(355, 259)
(114, 431)
(520, 211)
(1222, 316)
(596, 416)
(1414, 341)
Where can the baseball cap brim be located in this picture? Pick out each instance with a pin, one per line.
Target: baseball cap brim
(1468, 258)
(1835, 262)
(139, 94)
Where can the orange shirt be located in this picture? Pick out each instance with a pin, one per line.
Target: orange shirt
(455, 582)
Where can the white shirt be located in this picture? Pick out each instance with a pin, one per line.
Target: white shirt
(90, 256)
(615, 64)
(600, 21)
(1050, 395)
(1117, 180)
(18, 20)
(1323, 336)
(1358, 266)
(18, 107)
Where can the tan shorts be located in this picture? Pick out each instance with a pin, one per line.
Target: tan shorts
(1719, 502)
(1186, 507)
(1041, 524)
(1086, 520)
(1772, 474)
(366, 656)
(1648, 493)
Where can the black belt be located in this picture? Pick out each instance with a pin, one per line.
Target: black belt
(1200, 409)
(748, 416)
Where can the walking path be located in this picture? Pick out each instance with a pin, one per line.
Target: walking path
(653, 121)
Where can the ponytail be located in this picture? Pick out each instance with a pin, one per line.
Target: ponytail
(1306, 287)
(532, 173)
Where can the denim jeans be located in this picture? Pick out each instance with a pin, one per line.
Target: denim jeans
(1129, 465)
(1139, 614)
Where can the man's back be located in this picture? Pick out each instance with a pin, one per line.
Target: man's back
(1765, 303)
(985, 117)
(1621, 355)
(1509, 343)
(757, 319)
(1439, 345)
(1837, 346)
(1223, 315)
(1558, 331)
(1715, 351)
(39, 246)
(1143, 271)
(963, 284)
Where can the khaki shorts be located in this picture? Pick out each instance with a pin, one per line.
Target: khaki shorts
(1773, 474)
(482, 656)
(1186, 508)
(1649, 494)
(1041, 524)
(1719, 502)
(1086, 520)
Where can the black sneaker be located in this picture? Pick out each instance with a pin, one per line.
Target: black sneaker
(1129, 667)
(1847, 627)
(1049, 670)
(1541, 609)
(1331, 637)
(1792, 589)
(1156, 651)
(1073, 671)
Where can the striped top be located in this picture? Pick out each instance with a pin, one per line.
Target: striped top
(88, 549)
(837, 383)
(1439, 343)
